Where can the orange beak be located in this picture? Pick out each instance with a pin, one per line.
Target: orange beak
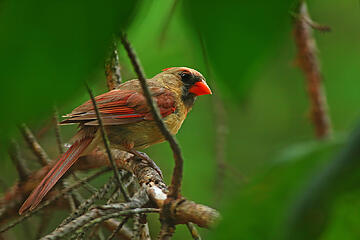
(200, 88)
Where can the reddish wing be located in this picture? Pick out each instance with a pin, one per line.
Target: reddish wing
(122, 107)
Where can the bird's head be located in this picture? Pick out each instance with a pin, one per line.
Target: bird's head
(191, 82)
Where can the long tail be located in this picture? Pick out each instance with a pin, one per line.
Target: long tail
(60, 168)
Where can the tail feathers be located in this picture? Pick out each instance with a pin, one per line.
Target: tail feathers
(60, 168)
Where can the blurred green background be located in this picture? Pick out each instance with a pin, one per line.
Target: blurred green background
(274, 163)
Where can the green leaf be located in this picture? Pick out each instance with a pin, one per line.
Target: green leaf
(260, 209)
(49, 49)
(239, 37)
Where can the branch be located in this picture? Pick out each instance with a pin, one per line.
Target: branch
(118, 228)
(193, 231)
(34, 145)
(15, 205)
(112, 68)
(18, 160)
(181, 210)
(57, 132)
(102, 213)
(107, 146)
(175, 186)
(309, 63)
(124, 233)
(147, 177)
(90, 201)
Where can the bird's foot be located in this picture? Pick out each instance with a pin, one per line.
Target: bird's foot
(145, 157)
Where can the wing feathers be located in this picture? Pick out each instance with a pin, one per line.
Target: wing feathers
(122, 107)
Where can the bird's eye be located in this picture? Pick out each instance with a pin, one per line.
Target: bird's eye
(185, 76)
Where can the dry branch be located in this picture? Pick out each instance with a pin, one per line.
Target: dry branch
(100, 214)
(18, 160)
(193, 231)
(13, 199)
(118, 228)
(123, 233)
(309, 63)
(34, 145)
(112, 67)
(107, 147)
(182, 210)
(57, 132)
(147, 177)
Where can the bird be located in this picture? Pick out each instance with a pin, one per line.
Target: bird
(127, 120)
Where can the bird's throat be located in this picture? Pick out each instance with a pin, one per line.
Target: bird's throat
(188, 100)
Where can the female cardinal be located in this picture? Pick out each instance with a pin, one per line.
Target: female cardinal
(127, 119)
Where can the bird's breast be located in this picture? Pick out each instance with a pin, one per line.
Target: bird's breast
(143, 134)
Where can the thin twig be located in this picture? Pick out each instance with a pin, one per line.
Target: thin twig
(175, 187)
(18, 160)
(167, 231)
(181, 210)
(57, 132)
(90, 188)
(309, 63)
(193, 231)
(140, 227)
(93, 217)
(34, 145)
(52, 199)
(107, 146)
(311, 23)
(121, 224)
(90, 201)
(112, 67)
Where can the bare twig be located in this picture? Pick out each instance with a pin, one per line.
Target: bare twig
(90, 201)
(101, 214)
(311, 23)
(309, 63)
(167, 231)
(181, 210)
(140, 227)
(52, 199)
(34, 145)
(57, 132)
(124, 233)
(121, 224)
(18, 160)
(175, 187)
(112, 67)
(193, 231)
(107, 147)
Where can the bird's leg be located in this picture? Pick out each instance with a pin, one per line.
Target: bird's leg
(145, 157)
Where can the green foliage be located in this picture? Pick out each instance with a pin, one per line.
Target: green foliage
(261, 208)
(230, 28)
(48, 49)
